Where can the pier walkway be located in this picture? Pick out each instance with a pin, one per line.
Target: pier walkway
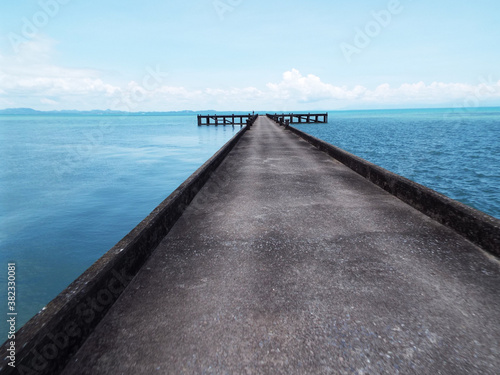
(288, 262)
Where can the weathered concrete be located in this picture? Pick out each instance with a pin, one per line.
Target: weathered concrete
(476, 226)
(288, 262)
(46, 343)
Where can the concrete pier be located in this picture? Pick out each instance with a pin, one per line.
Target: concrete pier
(288, 262)
(300, 118)
(226, 119)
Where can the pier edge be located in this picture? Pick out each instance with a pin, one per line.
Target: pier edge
(48, 340)
(478, 227)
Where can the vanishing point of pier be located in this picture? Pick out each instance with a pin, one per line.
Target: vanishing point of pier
(285, 261)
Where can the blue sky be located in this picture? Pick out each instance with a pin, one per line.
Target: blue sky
(249, 55)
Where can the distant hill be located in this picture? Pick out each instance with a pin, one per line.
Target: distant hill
(107, 112)
(18, 111)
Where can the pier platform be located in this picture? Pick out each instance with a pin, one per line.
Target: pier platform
(299, 118)
(225, 119)
(288, 262)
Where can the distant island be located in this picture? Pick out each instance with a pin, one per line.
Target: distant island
(107, 112)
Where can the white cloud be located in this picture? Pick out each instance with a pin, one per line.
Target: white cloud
(30, 78)
(310, 89)
(48, 101)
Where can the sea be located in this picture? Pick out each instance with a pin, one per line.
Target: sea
(71, 186)
(453, 151)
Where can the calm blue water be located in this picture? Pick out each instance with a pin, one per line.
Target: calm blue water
(453, 151)
(73, 186)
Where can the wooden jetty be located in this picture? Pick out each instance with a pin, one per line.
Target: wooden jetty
(299, 118)
(225, 119)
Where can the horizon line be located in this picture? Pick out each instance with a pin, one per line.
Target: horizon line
(246, 111)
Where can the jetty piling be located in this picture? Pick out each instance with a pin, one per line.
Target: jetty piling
(231, 119)
(299, 118)
(292, 118)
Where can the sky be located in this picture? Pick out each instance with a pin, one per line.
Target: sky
(167, 55)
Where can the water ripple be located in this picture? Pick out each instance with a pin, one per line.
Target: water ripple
(459, 159)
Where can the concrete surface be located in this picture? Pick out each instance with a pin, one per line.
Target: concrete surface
(476, 226)
(288, 262)
(44, 345)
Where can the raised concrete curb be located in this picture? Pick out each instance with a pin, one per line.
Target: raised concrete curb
(46, 343)
(478, 227)
(288, 262)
